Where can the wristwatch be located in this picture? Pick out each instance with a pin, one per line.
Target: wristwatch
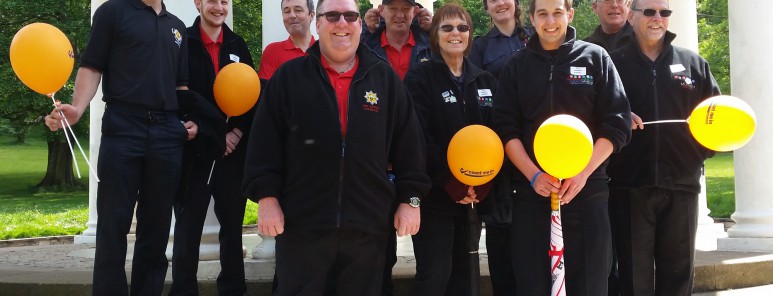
(414, 202)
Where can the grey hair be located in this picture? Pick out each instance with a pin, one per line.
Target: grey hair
(309, 4)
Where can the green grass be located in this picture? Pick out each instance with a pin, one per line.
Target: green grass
(720, 185)
(24, 212)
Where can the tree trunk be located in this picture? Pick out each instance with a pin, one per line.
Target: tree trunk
(59, 172)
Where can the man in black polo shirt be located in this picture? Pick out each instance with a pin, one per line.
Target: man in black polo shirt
(139, 50)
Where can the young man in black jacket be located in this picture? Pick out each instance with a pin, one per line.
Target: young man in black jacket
(325, 129)
(655, 179)
(212, 46)
(556, 74)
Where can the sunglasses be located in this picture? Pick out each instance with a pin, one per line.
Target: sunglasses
(450, 28)
(651, 12)
(334, 16)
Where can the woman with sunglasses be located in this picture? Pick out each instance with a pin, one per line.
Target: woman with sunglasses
(449, 93)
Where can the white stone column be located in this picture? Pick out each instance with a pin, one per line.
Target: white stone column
(753, 215)
(97, 108)
(684, 22)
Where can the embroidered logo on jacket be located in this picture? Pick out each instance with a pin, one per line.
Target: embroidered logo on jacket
(580, 79)
(685, 81)
(371, 101)
(485, 97)
(178, 39)
(448, 96)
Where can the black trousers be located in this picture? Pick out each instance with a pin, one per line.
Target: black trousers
(442, 258)
(587, 241)
(656, 228)
(190, 212)
(499, 260)
(139, 158)
(329, 262)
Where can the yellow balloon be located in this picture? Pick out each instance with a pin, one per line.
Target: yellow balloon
(42, 57)
(236, 89)
(475, 155)
(563, 146)
(723, 123)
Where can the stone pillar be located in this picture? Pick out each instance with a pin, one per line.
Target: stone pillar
(684, 23)
(97, 108)
(753, 215)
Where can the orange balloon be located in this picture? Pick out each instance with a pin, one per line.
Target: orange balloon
(42, 57)
(475, 155)
(236, 89)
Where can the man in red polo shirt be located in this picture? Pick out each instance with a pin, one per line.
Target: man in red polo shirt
(400, 41)
(297, 16)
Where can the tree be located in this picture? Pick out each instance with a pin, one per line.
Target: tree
(20, 107)
(248, 22)
(714, 39)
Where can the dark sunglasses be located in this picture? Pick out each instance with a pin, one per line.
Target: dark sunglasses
(334, 16)
(450, 28)
(651, 12)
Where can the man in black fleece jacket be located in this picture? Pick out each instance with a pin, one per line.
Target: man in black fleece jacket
(655, 179)
(556, 74)
(325, 129)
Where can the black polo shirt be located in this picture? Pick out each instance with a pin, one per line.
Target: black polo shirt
(142, 56)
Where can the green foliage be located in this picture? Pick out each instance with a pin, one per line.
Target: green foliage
(714, 39)
(248, 22)
(250, 213)
(20, 107)
(585, 21)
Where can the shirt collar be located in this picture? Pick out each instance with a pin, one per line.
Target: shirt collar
(208, 41)
(411, 41)
(288, 44)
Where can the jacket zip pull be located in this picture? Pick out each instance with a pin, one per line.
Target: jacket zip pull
(550, 79)
(654, 75)
(341, 183)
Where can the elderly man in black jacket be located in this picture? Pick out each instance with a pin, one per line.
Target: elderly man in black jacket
(326, 127)
(655, 180)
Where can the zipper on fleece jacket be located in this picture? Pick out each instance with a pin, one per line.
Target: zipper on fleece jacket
(657, 117)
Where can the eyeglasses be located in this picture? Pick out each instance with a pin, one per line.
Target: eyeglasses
(651, 12)
(334, 16)
(450, 28)
(610, 2)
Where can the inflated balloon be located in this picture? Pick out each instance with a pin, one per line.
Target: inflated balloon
(236, 89)
(475, 155)
(563, 146)
(723, 123)
(42, 57)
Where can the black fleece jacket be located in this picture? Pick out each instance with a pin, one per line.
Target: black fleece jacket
(444, 109)
(662, 155)
(578, 79)
(321, 179)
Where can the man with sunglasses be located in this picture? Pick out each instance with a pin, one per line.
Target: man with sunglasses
(317, 160)
(613, 30)
(400, 41)
(655, 179)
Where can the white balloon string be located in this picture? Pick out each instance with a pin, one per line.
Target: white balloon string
(66, 136)
(213, 162)
(666, 121)
(67, 126)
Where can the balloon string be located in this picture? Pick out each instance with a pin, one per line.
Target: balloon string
(86, 158)
(666, 121)
(67, 137)
(211, 169)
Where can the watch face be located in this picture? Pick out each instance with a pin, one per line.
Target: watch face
(415, 202)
